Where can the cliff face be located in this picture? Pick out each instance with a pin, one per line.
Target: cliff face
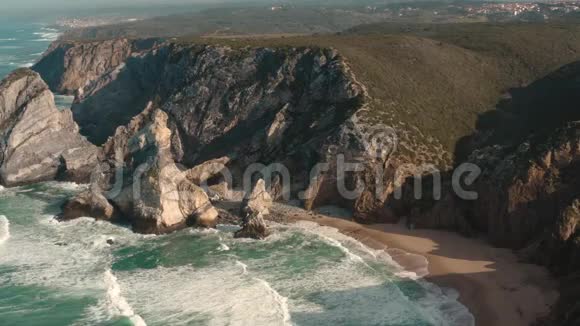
(66, 68)
(37, 142)
(528, 150)
(251, 104)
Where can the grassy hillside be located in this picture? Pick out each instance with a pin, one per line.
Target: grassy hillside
(433, 81)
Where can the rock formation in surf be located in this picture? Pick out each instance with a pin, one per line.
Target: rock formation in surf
(258, 201)
(255, 206)
(142, 182)
(90, 203)
(37, 141)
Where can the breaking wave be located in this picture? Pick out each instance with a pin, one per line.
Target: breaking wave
(118, 303)
(304, 273)
(4, 229)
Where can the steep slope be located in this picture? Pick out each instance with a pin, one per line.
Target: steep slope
(528, 150)
(38, 142)
(311, 101)
(67, 68)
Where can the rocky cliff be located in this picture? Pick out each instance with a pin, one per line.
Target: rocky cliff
(528, 151)
(249, 104)
(301, 106)
(37, 141)
(67, 68)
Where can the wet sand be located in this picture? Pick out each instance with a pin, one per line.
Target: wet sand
(497, 289)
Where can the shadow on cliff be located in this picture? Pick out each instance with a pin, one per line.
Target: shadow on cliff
(124, 95)
(536, 109)
(510, 212)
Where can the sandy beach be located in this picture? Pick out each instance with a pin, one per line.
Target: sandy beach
(497, 289)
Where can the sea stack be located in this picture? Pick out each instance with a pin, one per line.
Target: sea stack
(255, 206)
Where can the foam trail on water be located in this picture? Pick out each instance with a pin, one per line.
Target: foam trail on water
(4, 229)
(243, 266)
(118, 302)
(281, 300)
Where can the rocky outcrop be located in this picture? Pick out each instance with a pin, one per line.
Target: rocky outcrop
(254, 227)
(37, 141)
(258, 201)
(91, 203)
(140, 178)
(255, 206)
(201, 173)
(68, 67)
(251, 105)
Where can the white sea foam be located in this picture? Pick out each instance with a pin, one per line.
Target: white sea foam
(270, 291)
(281, 301)
(118, 303)
(7, 39)
(71, 186)
(4, 229)
(27, 65)
(352, 282)
(217, 295)
(243, 266)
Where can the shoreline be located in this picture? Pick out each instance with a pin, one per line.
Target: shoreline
(496, 288)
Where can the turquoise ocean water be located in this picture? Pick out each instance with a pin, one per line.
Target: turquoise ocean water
(54, 274)
(57, 274)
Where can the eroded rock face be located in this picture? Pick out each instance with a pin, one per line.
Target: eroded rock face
(89, 203)
(255, 206)
(37, 141)
(69, 67)
(202, 172)
(254, 227)
(140, 178)
(258, 202)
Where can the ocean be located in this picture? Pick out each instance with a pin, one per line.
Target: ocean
(23, 41)
(87, 272)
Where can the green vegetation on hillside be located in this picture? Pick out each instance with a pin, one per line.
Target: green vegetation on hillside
(433, 81)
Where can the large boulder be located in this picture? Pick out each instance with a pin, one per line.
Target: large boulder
(89, 203)
(37, 141)
(253, 226)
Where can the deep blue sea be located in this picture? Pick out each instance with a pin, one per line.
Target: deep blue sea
(60, 274)
(22, 41)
